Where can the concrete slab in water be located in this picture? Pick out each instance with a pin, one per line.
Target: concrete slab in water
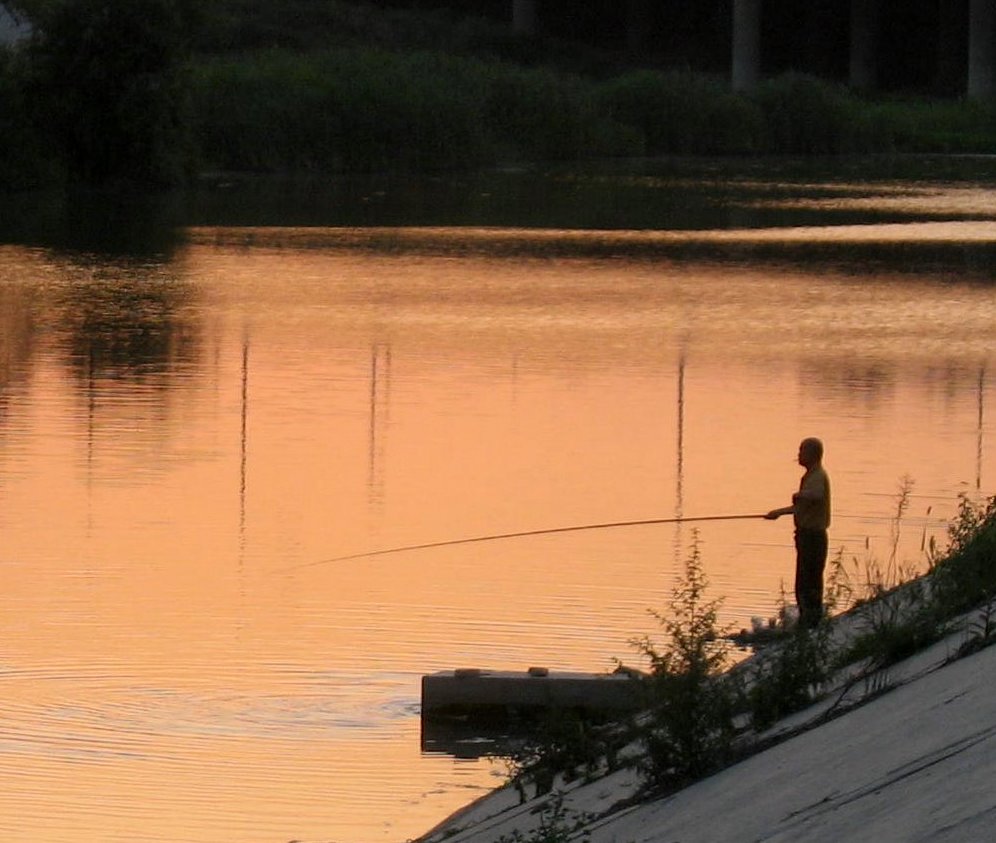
(470, 689)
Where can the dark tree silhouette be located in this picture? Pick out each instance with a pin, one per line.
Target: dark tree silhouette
(107, 79)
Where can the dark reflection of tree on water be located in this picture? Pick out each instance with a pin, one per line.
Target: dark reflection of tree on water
(95, 223)
(131, 341)
(128, 323)
(18, 328)
(110, 293)
(380, 410)
(980, 435)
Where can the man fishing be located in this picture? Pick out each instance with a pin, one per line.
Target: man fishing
(810, 511)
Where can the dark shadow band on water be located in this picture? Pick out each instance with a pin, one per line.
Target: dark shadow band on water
(973, 258)
(95, 225)
(606, 201)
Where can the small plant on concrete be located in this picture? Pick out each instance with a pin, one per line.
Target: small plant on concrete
(966, 576)
(898, 624)
(788, 677)
(902, 506)
(867, 579)
(563, 743)
(981, 630)
(691, 704)
(838, 594)
(556, 825)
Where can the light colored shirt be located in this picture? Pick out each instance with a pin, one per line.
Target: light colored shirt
(812, 508)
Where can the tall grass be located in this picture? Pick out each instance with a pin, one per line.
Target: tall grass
(681, 112)
(23, 159)
(356, 107)
(363, 109)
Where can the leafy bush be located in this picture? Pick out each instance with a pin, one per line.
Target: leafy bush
(351, 110)
(806, 115)
(894, 632)
(108, 88)
(966, 577)
(691, 703)
(364, 110)
(788, 677)
(556, 825)
(23, 161)
(932, 126)
(679, 112)
(563, 743)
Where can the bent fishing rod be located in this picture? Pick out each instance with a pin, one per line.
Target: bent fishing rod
(499, 536)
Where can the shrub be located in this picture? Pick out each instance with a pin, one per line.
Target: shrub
(562, 743)
(681, 112)
(788, 677)
(805, 115)
(108, 87)
(933, 126)
(556, 825)
(351, 110)
(23, 161)
(966, 577)
(365, 110)
(691, 703)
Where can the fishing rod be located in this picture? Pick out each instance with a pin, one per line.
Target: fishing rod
(545, 532)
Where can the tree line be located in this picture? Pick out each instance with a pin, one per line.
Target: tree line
(152, 91)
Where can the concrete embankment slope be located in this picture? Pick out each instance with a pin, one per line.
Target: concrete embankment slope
(917, 763)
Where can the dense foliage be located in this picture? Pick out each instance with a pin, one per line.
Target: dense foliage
(690, 702)
(105, 78)
(111, 89)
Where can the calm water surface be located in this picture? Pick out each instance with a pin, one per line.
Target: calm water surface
(191, 432)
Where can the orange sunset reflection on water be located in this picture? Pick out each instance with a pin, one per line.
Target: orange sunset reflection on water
(187, 447)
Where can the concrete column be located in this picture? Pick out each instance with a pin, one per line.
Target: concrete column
(524, 16)
(746, 44)
(638, 26)
(982, 49)
(952, 48)
(863, 69)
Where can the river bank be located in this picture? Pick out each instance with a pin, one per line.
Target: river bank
(890, 743)
(384, 92)
(908, 758)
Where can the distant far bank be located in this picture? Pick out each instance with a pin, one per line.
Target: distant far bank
(166, 93)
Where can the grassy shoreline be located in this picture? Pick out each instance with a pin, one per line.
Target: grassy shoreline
(370, 110)
(703, 716)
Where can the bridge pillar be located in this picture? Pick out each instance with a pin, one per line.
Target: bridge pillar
(746, 44)
(638, 26)
(524, 16)
(982, 49)
(863, 66)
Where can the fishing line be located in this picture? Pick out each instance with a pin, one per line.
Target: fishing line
(498, 536)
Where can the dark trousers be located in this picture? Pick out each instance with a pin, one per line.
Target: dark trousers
(810, 560)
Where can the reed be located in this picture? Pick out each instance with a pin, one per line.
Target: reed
(23, 162)
(682, 112)
(377, 108)
(805, 115)
(364, 110)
